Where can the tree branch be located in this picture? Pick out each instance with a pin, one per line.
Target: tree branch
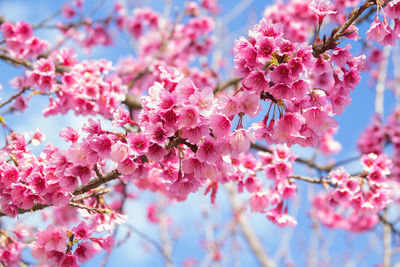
(299, 160)
(13, 97)
(224, 85)
(150, 240)
(248, 232)
(334, 38)
(312, 180)
(132, 102)
(387, 240)
(165, 240)
(78, 191)
(389, 224)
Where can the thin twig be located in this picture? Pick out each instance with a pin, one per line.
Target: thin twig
(13, 97)
(150, 240)
(165, 240)
(43, 22)
(312, 180)
(333, 40)
(248, 231)
(299, 160)
(387, 239)
(88, 208)
(224, 85)
(396, 81)
(16, 61)
(381, 82)
(78, 191)
(391, 225)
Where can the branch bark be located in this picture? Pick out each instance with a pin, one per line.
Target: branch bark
(333, 40)
(78, 191)
(387, 240)
(309, 163)
(248, 231)
(165, 240)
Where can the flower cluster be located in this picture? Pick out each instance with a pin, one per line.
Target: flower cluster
(373, 138)
(163, 43)
(12, 244)
(185, 135)
(296, 17)
(20, 40)
(380, 31)
(85, 87)
(175, 136)
(278, 167)
(141, 18)
(88, 89)
(328, 145)
(305, 92)
(27, 180)
(61, 247)
(379, 134)
(354, 203)
(50, 179)
(93, 32)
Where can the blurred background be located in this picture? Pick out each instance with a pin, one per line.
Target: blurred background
(193, 221)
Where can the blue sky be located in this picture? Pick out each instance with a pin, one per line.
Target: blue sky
(188, 214)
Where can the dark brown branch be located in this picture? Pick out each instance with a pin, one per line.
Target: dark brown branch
(333, 40)
(224, 85)
(26, 63)
(138, 77)
(88, 208)
(13, 97)
(15, 61)
(78, 191)
(150, 240)
(321, 180)
(132, 102)
(97, 182)
(248, 232)
(391, 225)
(180, 141)
(299, 160)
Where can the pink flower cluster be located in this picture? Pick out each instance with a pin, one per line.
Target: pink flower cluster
(12, 244)
(378, 134)
(373, 138)
(296, 17)
(273, 201)
(278, 166)
(361, 196)
(303, 92)
(88, 89)
(165, 44)
(94, 32)
(380, 31)
(185, 135)
(27, 179)
(60, 247)
(141, 18)
(184, 40)
(328, 145)
(299, 18)
(50, 178)
(21, 42)
(85, 87)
